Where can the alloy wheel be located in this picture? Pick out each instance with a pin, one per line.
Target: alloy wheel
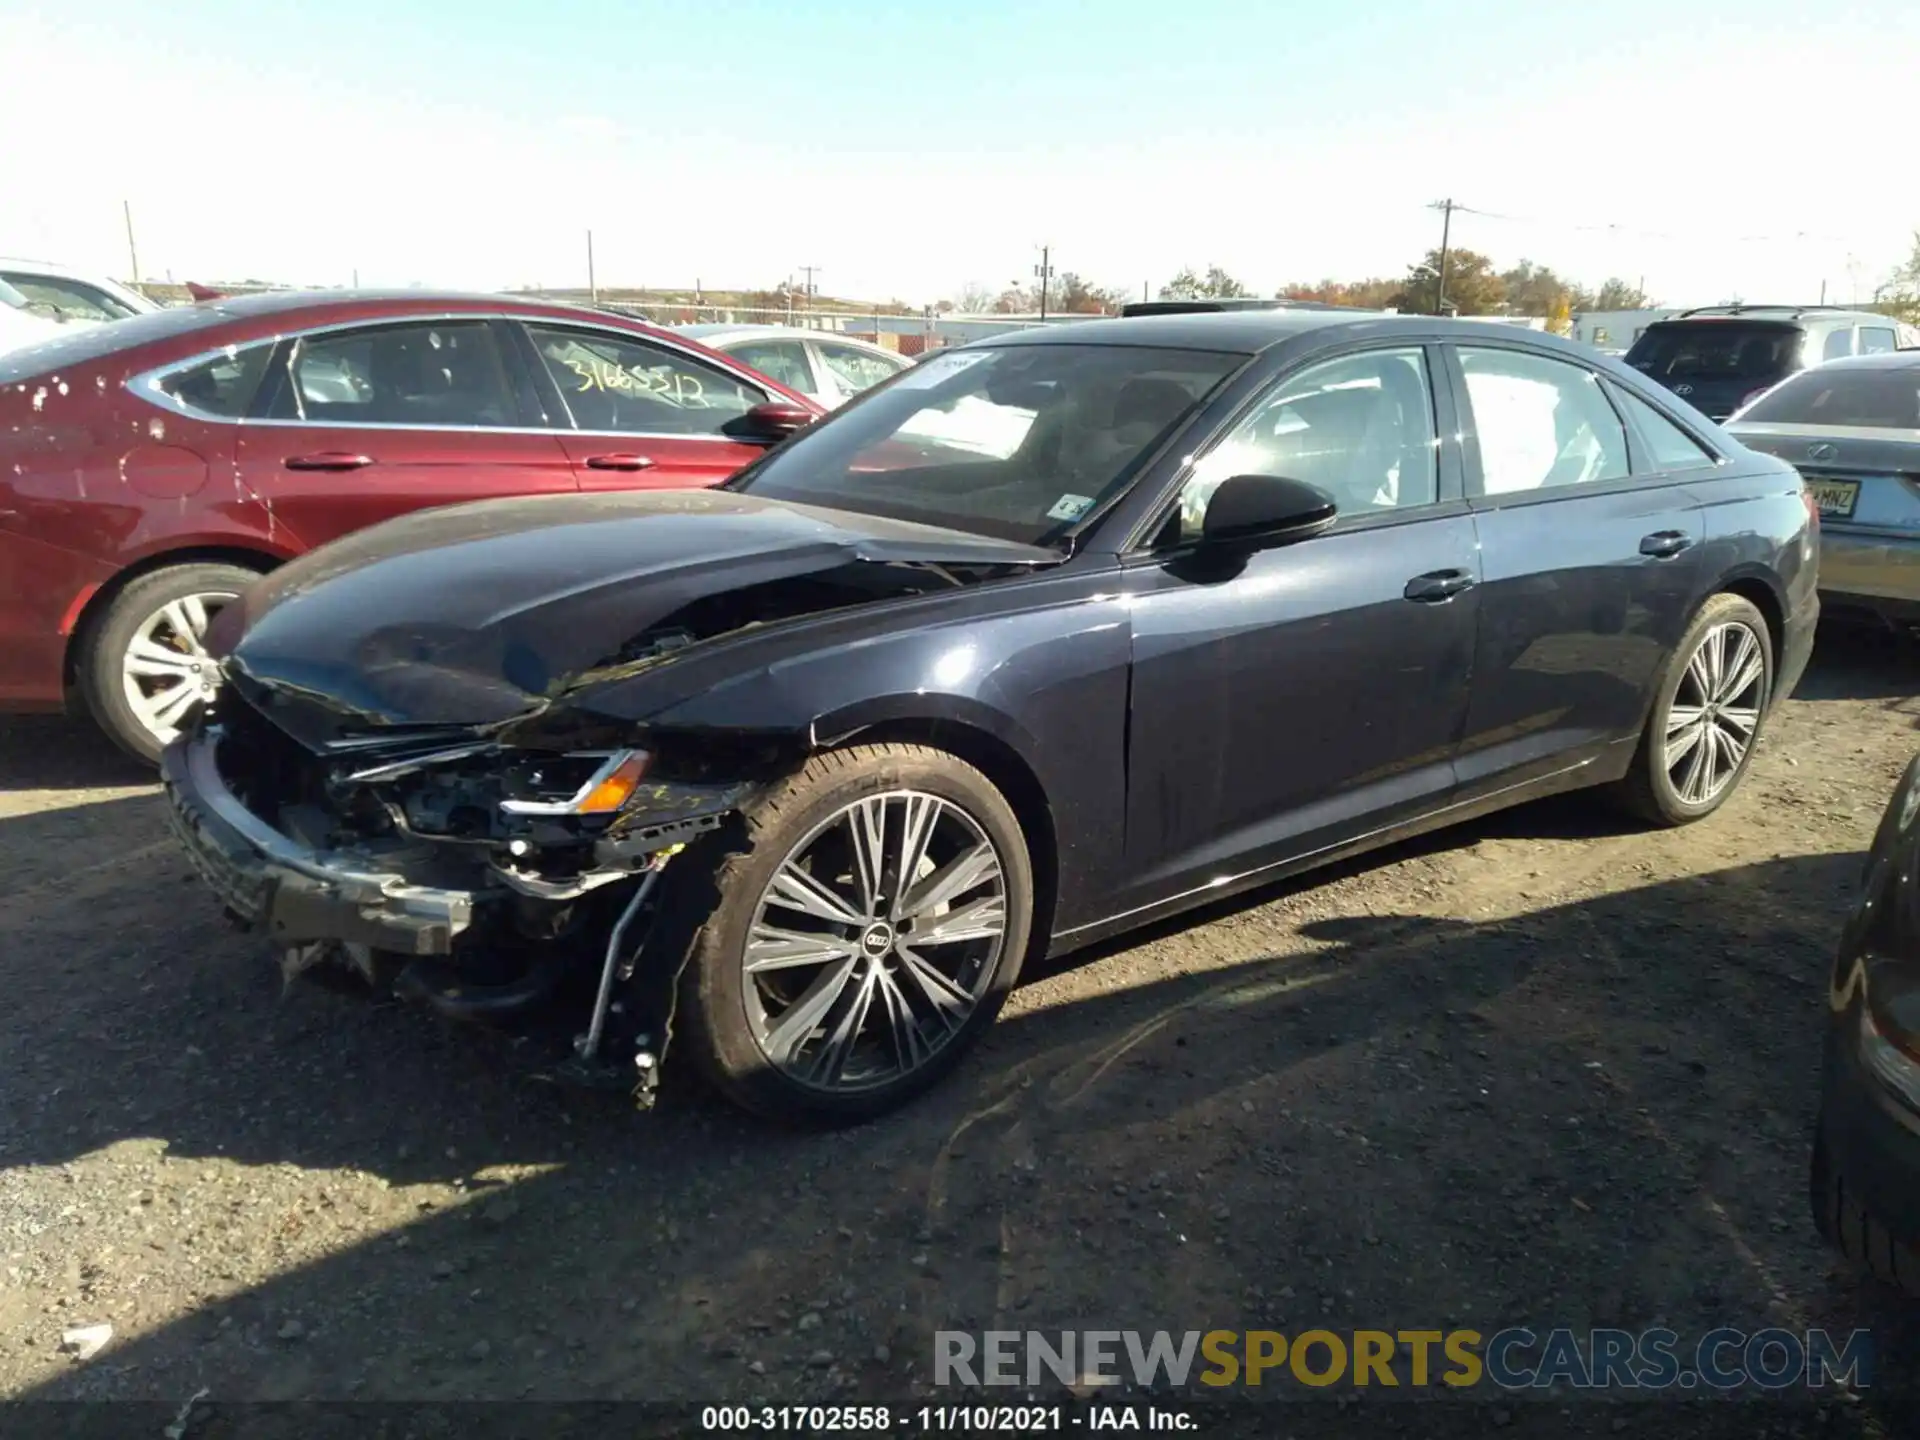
(1715, 712)
(166, 670)
(875, 941)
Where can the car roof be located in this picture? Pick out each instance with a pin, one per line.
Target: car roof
(1773, 315)
(1249, 332)
(1885, 360)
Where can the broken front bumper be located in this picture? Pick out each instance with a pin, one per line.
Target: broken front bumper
(297, 894)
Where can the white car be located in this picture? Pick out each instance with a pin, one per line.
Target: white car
(819, 364)
(23, 324)
(72, 297)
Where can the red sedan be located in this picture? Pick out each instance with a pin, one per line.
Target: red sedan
(151, 468)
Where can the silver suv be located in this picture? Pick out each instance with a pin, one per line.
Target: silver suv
(1718, 357)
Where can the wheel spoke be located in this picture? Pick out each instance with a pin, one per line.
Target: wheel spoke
(800, 1019)
(903, 1026)
(867, 827)
(1682, 745)
(1744, 679)
(1700, 670)
(153, 661)
(983, 919)
(837, 1048)
(1699, 765)
(916, 833)
(1743, 719)
(795, 889)
(948, 1000)
(163, 709)
(964, 872)
(771, 948)
(1679, 717)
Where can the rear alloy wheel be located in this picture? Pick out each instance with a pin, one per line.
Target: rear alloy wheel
(1707, 717)
(146, 671)
(865, 937)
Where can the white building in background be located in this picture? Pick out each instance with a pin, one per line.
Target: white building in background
(1614, 331)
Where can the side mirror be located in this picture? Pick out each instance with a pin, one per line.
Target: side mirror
(1257, 512)
(770, 423)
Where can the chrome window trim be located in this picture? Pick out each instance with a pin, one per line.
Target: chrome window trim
(146, 385)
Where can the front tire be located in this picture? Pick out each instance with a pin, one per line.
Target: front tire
(1706, 717)
(862, 937)
(145, 670)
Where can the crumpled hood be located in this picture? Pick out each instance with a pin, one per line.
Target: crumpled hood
(476, 614)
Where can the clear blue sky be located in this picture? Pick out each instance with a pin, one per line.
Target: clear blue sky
(1751, 148)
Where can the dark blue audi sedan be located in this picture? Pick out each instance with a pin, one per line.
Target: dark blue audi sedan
(1043, 639)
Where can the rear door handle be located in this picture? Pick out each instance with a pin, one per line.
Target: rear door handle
(329, 460)
(619, 462)
(1438, 587)
(1665, 544)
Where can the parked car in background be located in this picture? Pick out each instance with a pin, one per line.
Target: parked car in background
(1866, 1154)
(819, 364)
(1852, 428)
(73, 296)
(22, 322)
(151, 469)
(1718, 357)
(1250, 592)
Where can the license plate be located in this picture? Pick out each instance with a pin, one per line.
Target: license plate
(1836, 498)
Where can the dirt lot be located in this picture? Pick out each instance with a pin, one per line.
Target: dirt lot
(1543, 1070)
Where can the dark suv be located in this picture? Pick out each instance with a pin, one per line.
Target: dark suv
(1719, 357)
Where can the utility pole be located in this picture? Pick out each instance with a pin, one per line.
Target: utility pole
(1446, 208)
(593, 288)
(1146, 287)
(1044, 270)
(812, 289)
(133, 255)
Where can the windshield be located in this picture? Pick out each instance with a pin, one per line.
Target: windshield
(1872, 396)
(1019, 442)
(1715, 350)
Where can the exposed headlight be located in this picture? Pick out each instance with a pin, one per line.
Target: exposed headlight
(589, 783)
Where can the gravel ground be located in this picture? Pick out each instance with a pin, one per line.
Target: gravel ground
(1541, 1070)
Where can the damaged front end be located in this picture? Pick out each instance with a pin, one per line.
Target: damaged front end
(477, 876)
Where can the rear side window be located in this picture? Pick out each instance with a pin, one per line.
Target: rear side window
(444, 373)
(1839, 344)
(1878, 339)
(1670, 447)
(221, 387)
(1870, 396)
(1716, 350)
(1541, 423)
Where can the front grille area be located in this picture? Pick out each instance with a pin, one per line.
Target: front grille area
(263, 765)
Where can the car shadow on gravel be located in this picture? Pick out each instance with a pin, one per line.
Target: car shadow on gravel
(54, 752)
(1853, 662)
(1592, 1114)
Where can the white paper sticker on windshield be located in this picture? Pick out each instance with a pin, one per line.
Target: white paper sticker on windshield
(1070, 507)
(929, 373)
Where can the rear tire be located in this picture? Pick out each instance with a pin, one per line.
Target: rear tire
(1706, 717)
(917, 1005)
(136, 668)
(1850, 1229)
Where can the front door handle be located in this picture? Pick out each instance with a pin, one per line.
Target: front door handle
(329, 460)
(1665, 544)
(1438, 586)
(619, 462)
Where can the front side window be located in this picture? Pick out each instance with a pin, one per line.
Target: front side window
(1669, 447)
(1541, 423)
(856, 370)
(622, 384)
(1878, 339)
(439, 373)
(1360, 428)
(1016, 441)
(222, 386)
(1839, 344)
(1872, 397)
(69, 299)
